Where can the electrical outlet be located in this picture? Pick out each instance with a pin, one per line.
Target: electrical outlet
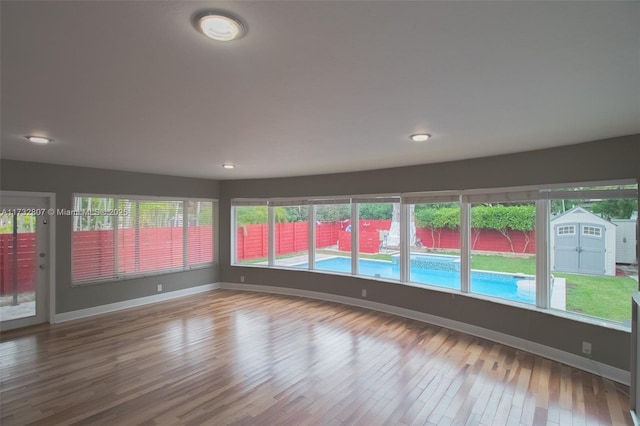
(586, 348)
(159, 288)
(364, 292)
(241, 278)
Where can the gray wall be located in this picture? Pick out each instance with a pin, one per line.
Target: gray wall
(64, 181)
(617, 158)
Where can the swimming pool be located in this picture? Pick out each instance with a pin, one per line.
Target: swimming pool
(442, 271)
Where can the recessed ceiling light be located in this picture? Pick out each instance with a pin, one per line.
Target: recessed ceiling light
(219, 26)
(38, 139)
(229, 166)
(420, 137)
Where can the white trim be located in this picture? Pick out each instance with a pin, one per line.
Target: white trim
(140, 301)
(465, 247)
(355, 239)
(543, 271)
(133, 197)
(594, 367)
(51, 260)
(271, 238)
(405, 240)
(311, 240)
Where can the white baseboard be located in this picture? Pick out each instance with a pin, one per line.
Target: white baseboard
(577, 361)
(111, 307)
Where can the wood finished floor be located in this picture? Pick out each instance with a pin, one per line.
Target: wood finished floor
(228, 357)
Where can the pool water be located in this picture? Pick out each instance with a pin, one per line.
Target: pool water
(438, 271)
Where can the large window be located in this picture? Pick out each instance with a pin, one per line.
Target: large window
(593, 250)
(252, 234)
(434, 241)
(120, 237)
(566, 249)
(379, 238)
(503, 250)
(291, 232)
(333, 236)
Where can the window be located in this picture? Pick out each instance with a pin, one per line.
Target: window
(492, 243)
(93, 254)
(252, 234)
(120, 237)
(333, 235)
(566, 230)
(151, 238)
(503, 251)
(434, 238)
(379, 238)
(291, 236)
(589, 275)
(199, 232)
(591, 230)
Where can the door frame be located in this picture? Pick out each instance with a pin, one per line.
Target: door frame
(50, 281)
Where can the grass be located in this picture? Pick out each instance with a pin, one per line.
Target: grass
(514, 265)
(598, 296)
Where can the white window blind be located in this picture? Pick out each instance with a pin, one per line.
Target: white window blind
(199, 232)
(93, 254)
(136, 236)
(154, 241)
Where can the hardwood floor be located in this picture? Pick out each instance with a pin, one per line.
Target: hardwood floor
(228, 357)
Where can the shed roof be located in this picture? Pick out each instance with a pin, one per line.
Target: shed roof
(580, 210)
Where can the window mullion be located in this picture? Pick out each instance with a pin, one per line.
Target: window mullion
(465, 247)
(543, 281)
(404, 242)
(185, 234)
(355, 234)
(271, 241)
(116, 232)
(312, 236)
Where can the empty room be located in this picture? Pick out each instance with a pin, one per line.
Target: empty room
(315, 212)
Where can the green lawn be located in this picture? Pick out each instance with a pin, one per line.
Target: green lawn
(598, 296)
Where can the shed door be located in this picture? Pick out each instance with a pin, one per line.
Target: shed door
(580, 248)
(592, 249)
(567, 256)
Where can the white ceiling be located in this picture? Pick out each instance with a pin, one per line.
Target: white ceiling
(314, 86)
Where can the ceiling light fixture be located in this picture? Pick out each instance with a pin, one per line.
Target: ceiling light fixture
(220, 26)
(420, 137)
(229, 166)
(38, 139)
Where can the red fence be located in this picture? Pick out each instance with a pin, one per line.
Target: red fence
(27, 259)
(252, 240)
(481, 239)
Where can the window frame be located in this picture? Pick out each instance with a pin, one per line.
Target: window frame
(116, 227)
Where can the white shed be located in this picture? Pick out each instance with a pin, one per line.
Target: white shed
(626, 240)
(583, 243)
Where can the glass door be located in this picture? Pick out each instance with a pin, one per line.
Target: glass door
(23, 261)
